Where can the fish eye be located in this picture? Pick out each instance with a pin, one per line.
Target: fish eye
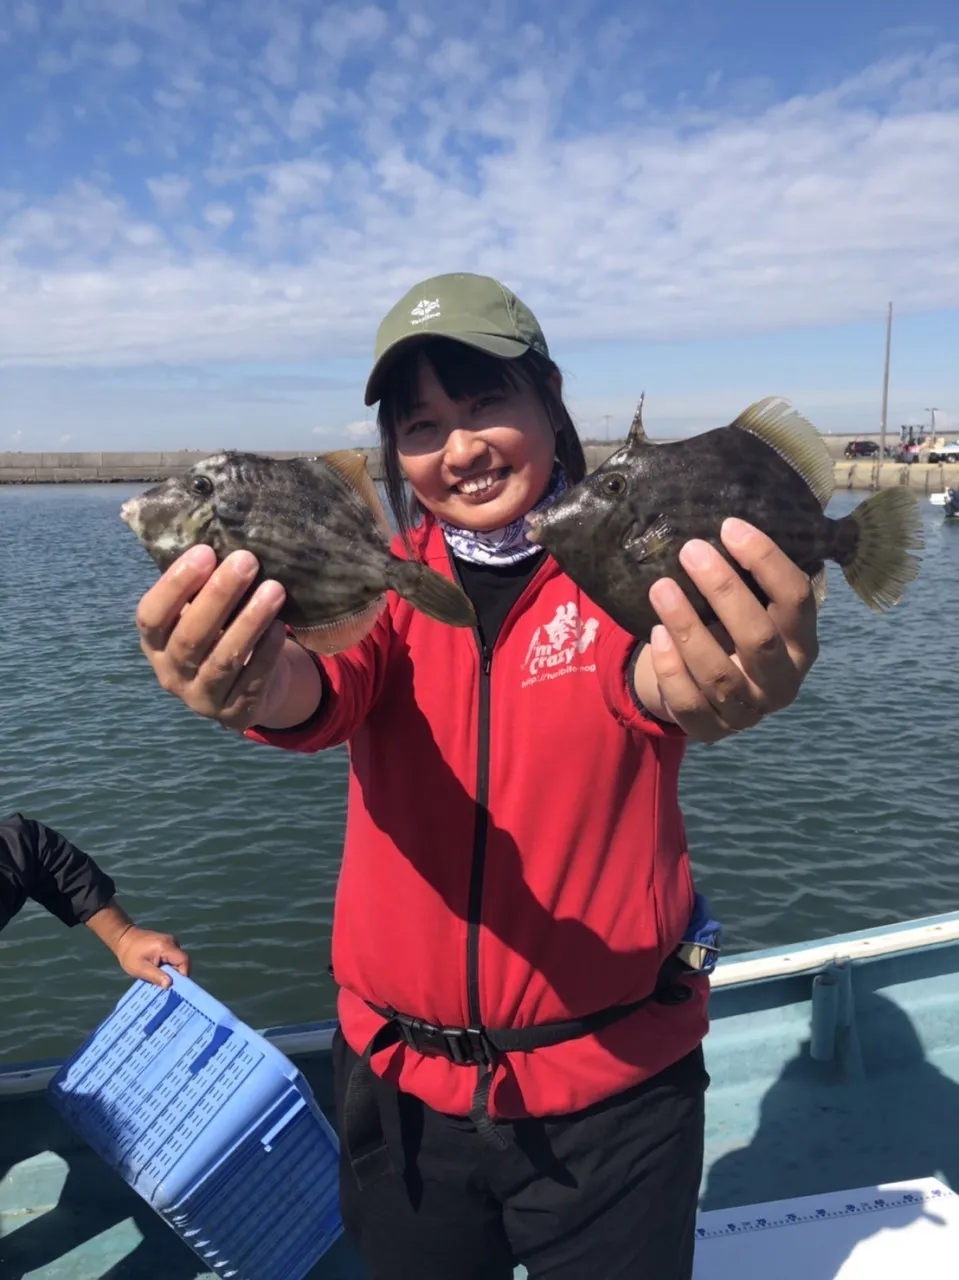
(614, 484)
(202, 485)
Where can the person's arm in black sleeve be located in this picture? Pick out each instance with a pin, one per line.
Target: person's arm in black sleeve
(39, 863)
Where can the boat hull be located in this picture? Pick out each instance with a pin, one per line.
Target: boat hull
(833, 1065)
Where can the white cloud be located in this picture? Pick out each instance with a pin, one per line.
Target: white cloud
(218, 215)
(46, 132)
(361, 430)
(307, 114)
(27, 17)
(166, 98)
(123, 55)
(341, 30)
(341, 192)
(143, 235)
(280, 59)
(169, 191)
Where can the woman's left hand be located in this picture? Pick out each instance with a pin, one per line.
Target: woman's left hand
(714, 681)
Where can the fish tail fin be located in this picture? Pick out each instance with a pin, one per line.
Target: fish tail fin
(430, 592)
(877, 564)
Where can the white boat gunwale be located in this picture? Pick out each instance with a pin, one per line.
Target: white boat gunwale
(750, 967)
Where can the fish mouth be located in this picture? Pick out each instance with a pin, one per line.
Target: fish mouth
(130, 513)
(532, 527)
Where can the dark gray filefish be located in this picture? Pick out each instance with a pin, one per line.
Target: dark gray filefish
(622, 527)
(314, 524)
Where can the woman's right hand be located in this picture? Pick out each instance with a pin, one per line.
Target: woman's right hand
(227, 675)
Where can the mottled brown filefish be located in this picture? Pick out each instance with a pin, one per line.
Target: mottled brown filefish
(622, 527)
(316, 525)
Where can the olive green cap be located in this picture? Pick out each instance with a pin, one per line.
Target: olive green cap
(475, 310)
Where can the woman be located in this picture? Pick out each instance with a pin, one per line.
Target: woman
(520, 1074)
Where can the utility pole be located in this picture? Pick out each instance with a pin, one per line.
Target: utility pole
(885, 388)
(606, 418)
(932, 423)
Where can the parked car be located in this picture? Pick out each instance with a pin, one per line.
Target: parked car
(861, 449)
(945, 452)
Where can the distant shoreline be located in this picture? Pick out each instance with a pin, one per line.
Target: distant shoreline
(148, 468)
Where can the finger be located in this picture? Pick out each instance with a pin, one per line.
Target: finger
(159, 608)
(199, 629)
(684, 699)
(759, 646)
(239, 712)
(141, 967)
(231, 654)
(174, 955)
(792, 606)
(708, 668)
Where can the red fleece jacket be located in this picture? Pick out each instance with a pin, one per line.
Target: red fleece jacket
(560, 895)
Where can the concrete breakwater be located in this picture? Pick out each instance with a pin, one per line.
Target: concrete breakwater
(146, 468)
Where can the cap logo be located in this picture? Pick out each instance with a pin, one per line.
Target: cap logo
(426, 309)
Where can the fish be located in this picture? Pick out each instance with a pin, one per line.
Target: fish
(315, 525)
(622, 527)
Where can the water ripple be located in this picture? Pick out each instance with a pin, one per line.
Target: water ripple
(839, 813)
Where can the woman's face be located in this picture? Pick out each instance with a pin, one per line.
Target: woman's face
(478, 463)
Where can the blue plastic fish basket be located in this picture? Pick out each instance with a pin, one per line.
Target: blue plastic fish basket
(212, 1126)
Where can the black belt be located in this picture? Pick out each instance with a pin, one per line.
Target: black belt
(362, 1135)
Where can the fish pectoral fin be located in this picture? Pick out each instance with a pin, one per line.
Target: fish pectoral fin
(350, 465)
(655, 539)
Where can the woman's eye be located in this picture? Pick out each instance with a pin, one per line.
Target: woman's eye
(484, 401)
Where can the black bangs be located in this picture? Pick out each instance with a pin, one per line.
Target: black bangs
(464, 372)
(461, 371)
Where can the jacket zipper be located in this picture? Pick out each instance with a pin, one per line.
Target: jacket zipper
(481, 827)
(478, 864)
(478, 860)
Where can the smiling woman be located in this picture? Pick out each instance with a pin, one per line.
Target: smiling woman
(477, 432)
(509, 917)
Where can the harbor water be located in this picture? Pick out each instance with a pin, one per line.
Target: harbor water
(840, 813)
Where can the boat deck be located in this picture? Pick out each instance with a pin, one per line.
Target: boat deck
(853, 1086)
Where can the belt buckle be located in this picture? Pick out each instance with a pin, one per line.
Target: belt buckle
(420, 1036)
(466, 1046)
(463, 1046)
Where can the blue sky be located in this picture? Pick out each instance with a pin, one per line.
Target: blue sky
(205, 208)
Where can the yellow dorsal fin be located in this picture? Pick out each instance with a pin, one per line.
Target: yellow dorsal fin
(350, 465)
(777, 424)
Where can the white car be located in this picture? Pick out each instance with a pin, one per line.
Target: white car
(945, 453)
